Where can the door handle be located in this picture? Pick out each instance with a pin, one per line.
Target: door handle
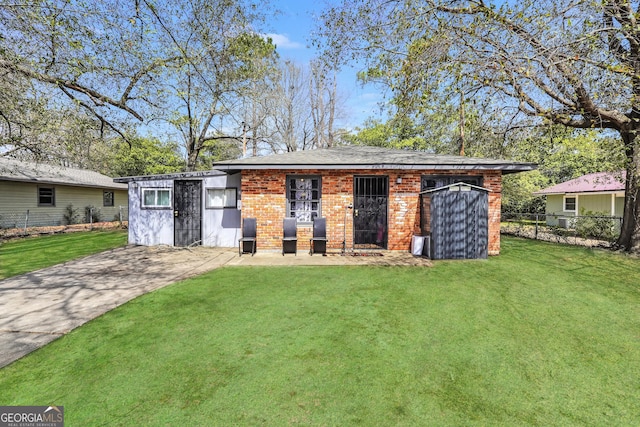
(355, 212)
(175, 213)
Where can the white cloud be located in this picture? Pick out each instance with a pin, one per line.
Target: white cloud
(282, 41)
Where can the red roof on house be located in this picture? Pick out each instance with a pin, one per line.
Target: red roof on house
(590, 183)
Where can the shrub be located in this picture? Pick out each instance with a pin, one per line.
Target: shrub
(92, 214)
(596, 225)
(70, 215)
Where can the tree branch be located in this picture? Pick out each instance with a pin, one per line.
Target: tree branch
(583, 103)
(103, 121)
(95, 96)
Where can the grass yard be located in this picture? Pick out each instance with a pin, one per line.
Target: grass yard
(23, 255)
(542, 335)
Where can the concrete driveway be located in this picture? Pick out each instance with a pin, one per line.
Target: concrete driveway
(38, 307)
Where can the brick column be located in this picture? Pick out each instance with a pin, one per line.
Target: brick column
(493, 181)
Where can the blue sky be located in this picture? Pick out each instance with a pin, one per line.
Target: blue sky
(291, 31)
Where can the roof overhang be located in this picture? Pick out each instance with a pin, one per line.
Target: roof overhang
(618, 193)
(62, 182)
(369, 158)
(177, 175)
(505, 168)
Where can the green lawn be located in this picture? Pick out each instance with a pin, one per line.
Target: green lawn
(542, 335)
(23, 255)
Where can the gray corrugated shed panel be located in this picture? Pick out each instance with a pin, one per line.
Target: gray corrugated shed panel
(365, 157)
(170, 176)
(41, 173)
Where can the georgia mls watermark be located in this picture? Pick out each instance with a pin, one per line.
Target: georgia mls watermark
(31, 416)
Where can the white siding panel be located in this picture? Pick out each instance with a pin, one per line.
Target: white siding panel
(619, 206)
(221, 227)
(554, 206)
(81, 198)
(149, 227)
(18, 197)
(597, 203)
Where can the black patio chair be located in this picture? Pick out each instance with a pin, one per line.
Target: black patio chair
(290, 236)
(318, 243)
(247, 243)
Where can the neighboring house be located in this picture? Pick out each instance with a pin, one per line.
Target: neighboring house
(601, 192)
(382, 186)
(45, 192)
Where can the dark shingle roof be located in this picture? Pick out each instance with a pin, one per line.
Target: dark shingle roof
(169, 176)
(365, 157)
(20, 171)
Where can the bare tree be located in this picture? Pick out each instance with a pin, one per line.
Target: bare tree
(304, 108)
(325, 104)
(288, 122)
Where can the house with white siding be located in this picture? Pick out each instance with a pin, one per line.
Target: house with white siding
(600, 193)
(40, 194)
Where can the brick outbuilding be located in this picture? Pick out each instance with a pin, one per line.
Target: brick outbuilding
(369, 195)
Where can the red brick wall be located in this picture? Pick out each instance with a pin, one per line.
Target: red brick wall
(493, 182)
(263, 196)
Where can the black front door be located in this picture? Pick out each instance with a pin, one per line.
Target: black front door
(187, 206)
(370, 196)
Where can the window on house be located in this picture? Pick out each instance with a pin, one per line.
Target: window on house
(46, 196)
(107, 198)
(222, 198)
(303, 197)
(570, 204)
(156, 198)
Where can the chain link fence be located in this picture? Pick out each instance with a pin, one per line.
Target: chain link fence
(583, 230)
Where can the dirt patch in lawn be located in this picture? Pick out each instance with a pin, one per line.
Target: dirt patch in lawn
(17, 233)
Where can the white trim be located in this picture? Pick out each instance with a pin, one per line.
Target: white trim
(156, 205)
(226, 201)
(613, 205)
(598, 193)
(564, 203)
(588, 193)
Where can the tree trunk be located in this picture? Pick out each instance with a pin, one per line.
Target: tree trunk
(192, 159)
(332, 110)
(629, 239)
(462, 125)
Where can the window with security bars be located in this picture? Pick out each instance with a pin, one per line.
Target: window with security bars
(303, 197)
